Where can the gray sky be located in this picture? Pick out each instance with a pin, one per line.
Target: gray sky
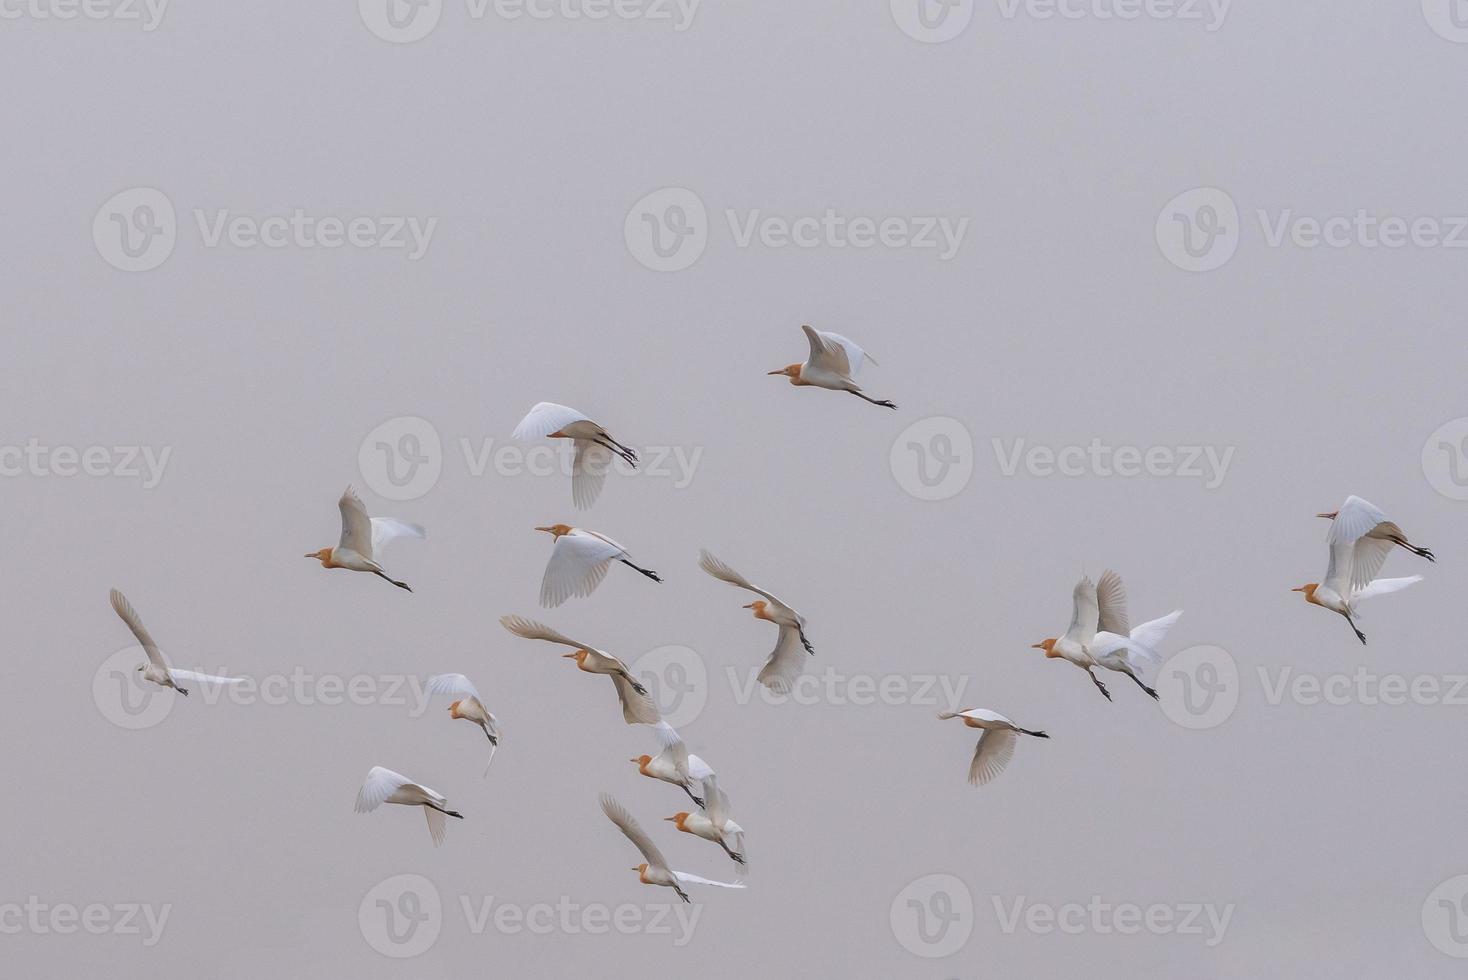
(520, 150)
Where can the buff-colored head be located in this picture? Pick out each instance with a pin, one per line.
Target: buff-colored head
(760, 607)
(1047, 645)
(324, 556)
(579, 656)
(454, 710)
(641, 763)
(641, 870)
(678, 820)
(1309, 590)
(791, 371)
(556, 530)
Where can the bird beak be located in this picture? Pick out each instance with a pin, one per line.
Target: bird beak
(747, 605)
(633, 869)
(781, 371)
(546, 529)
(673, 819)
(1329, 515)
(1037, 646)
(1300, 589)
(633, 760)
(568, 656)
(311, 555)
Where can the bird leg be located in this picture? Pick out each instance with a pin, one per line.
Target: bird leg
(738, 858)
(492, 740)
(648, 572)
(636, 686)
(628, 456)
(875, 401)
(401, 585)
(1026, 731)
(692, 797)
(1144, 687)
(450, 813)
(1099, 686)
(804, 642)
(1359, 635)
(182, 690)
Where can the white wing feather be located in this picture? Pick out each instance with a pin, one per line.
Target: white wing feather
(991, 755)
(589, 470)
(785, 662)
(577, 565)
(451, 684)
(124, 609)
(545, 418)
(687, 879)
(379, 785)
(385, 530)
(356, 525)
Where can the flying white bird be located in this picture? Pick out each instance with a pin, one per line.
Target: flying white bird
(713, 824)
(363, 538)
(469, 706)
(594, 446)
(674, 764)
(833, 364)
(996, 743)
(1081, 645)
(784, 663)
(579, 561)
(1139, 649)
(637, 706)
(654, 870)
(157, 669)
(385, 786)
(1360, 538)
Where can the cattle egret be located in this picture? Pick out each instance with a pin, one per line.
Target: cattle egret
(674, 764)
(579, 561)
(833, 364)
(468, 707)
(996, 743)
(713, 824)
(784, 663)
(1140, 649)
(594, 446)
(637, 706)
(385, 786)
(1360, 538)
(363, 538)
(1359, 519)
(157, 669)
(1080, 644)
(654, 870)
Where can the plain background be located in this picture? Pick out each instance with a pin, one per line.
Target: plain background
(1059, 321)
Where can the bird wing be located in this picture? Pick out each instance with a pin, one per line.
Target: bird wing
(1146, 640)
(785, 662)
(356, 525)
(983, 714)
(451, 684)
(715, 802)
(855, 356)
(630, 828)
(588, 472)
(387, 529)
(687, 879)
(991, 755)
(379, 785)
(826, 352)
(1111, 600)
(698, 769)
(1338, 570)
(1086, 614)
(531, 630)
(1355, 518)
(1367, 557)
(677, 754)
(198, 678)
(545, 418)
(123, 608)
(637, 709)
(578, 563)
(724, 573)
(437, 824)
(1384, 586)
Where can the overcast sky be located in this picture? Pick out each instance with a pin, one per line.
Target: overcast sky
(1149, 291)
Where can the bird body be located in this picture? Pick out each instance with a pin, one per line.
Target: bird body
(468, 707)
(675, 764)
(382, 785)
(363, 538)
(594, 446)
(833, 364)
(654, 870)
(579, 561)
(637, 705)
(713, 823)
(156, 670)
(996, 743)
(784, 663)
(1118, 647)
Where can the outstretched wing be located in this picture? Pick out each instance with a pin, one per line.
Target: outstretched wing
(437, 824)
(123, 608)
(855, 356)
(356, 525)
(1385, 586)
(379, 785)
(198, 678)
(545, 418)
(531, 630)
(588, 472)
(785, 662)
(1085, 615)
(991, 755)
(724, 573)
(633, 831)
(637, 709)
(1111, 601)
(826, 352)
(451, 684)
(577, 565)
(387, 529)
(688, 879)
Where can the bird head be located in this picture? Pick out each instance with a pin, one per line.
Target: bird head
(556, 530)
(454, 709)
(1047, 645)
(578, 656)
(678, 819)
(324, 556)
(1309, 589)
(791, 371)
(758, 606)
(641, 869)
(641, 761)
(1329, 515)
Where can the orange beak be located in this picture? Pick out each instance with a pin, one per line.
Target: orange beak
(1037, 646)
(568, 656)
